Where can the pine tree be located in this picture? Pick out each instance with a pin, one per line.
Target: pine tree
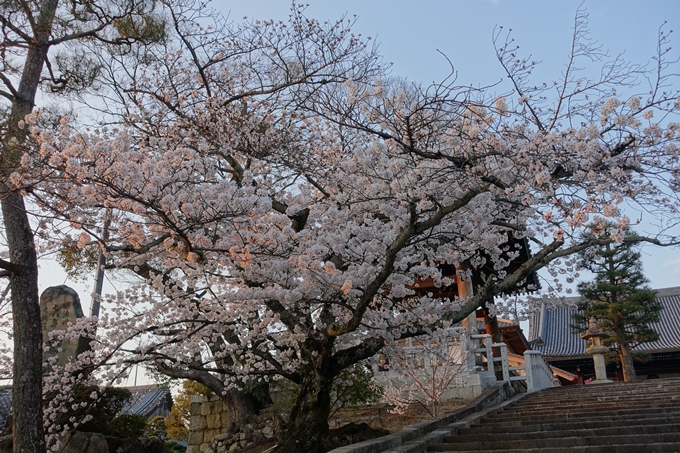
(619, 298)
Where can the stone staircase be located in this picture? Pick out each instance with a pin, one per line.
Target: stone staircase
(642, 416)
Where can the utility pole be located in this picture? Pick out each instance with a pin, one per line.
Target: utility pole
(99, 280)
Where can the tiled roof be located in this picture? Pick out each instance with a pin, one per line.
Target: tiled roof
(5, 405)
(550, 329)
(148, 400)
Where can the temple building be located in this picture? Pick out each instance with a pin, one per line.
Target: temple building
(551, 332)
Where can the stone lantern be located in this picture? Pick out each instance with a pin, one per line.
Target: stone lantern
(597, 349)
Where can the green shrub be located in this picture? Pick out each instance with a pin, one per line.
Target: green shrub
(352, 388)
(175, 447)
(127, 425)
(109, 403)
(156, 428)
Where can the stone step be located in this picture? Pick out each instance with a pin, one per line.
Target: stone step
(558, 439)
(637, 402)
(556, 434)
(575, 395)
(554, 420)
(662, 407)
(572, 398)
(517, 426)
(668, 382)
(583, 414)
(578, 397)
(671, 447)
(652, 401)
(637, 417)
(617, 387)
(522, 421)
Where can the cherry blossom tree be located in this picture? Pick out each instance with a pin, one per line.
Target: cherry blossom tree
(280, 195)
(423, 370)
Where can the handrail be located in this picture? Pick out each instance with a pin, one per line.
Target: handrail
(539, 373)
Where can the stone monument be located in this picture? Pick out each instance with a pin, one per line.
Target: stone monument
(59, 306)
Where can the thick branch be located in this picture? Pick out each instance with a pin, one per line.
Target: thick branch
(367, 348)
(75, 36)
(192, 51)
(143, 249)
(8, 83)
(560, 172)
(26, 37)
(203, 377)
(11, 268)
(287, 318)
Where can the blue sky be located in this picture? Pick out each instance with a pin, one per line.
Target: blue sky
(410, 33)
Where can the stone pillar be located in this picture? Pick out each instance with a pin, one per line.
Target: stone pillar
(598, 353)
(597, 349)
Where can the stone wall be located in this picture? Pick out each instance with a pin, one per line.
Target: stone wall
(208, 414)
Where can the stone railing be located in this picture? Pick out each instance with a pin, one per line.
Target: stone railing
(478, 350)
(480, 358)
(539, 374)
(502, 358)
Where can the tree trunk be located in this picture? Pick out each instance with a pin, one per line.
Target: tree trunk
(241, 409)
(308, 425)
(627, 365)
(27, 412)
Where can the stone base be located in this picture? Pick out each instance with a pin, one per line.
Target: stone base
(600, 381)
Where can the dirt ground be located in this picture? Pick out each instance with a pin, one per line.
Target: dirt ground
(379, 418)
